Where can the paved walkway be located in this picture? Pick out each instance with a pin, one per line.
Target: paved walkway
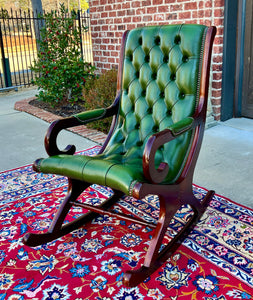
(225, 161)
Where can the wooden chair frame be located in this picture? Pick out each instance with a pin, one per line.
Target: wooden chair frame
(171, 197)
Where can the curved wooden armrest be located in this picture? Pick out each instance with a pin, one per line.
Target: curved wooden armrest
(76, 120)
(154, 142)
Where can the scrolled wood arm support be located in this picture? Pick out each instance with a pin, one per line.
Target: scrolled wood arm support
(76, 120)
(156, 141)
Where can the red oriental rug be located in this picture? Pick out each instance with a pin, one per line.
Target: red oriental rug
(214, 262)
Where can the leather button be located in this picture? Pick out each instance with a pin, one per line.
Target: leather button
(150, 110)
(166, 59)
(173, 77)
(147, 58)
(140, 143)
(140, 40)
(162, 94)
(157, 40)
(155, 128)
(185, 59)
(177, 39)
(181, 96)
(137, 126)
(137, 74)
(154, 76)
(143, 93)
(169, 112)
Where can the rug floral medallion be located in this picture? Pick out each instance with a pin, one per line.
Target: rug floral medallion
(214, 262)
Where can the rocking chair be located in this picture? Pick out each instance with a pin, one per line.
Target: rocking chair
(154, 141)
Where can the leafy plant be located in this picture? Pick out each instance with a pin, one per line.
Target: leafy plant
(100, 92)
(61, 72)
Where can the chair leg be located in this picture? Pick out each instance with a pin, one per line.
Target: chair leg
(154, 258)
(57, 229)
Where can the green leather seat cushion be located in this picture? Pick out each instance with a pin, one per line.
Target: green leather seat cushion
(99, 170)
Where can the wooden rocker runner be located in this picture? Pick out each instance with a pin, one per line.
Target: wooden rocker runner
(154, 141)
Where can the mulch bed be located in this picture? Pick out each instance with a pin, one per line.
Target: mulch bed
(63, 111)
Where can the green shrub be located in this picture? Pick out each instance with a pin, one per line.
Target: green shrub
(100, 92)
(60, 71)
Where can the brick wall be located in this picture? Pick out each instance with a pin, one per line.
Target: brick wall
(110, 18)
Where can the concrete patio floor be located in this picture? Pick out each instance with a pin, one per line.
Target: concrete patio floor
(225, 163)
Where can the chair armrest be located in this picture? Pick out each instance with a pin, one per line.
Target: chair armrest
(73, 121)
(157, 140)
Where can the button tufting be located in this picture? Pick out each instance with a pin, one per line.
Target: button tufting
(137, 74)
(137, 126)
(131, 57)
(169, 112)
(177, 39)
(140, 40)
(140, 143)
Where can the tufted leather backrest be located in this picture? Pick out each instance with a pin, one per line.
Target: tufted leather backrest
(159, 87)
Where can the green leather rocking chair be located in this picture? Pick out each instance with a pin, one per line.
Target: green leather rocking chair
(154, 141)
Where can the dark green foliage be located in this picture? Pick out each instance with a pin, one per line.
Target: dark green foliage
(61, 72)
(100, 92)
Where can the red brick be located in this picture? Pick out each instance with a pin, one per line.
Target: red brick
(116, 7)
(130, 12)
(157, 2)
(184, 15)
(135, 4)
(147, 18)
(201, 4)
(218, 13)
(218, 58)
(136, 19)
(218, 3)
(176, 7)
(208, 13)
(190, 6)
(126, 5)
(112, 14)
(163, 9)
(216, 101)
(159, 17)
(146, 2)
(216, 93)
(140, 11)
(171, 16)
(218, 40)
(121, 13)
(217, 67)
(151, 10)
(217, 84)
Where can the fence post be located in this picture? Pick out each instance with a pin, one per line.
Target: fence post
(80, 30)
(5, 62)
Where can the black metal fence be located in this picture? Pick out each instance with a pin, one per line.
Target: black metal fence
(19, 48)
